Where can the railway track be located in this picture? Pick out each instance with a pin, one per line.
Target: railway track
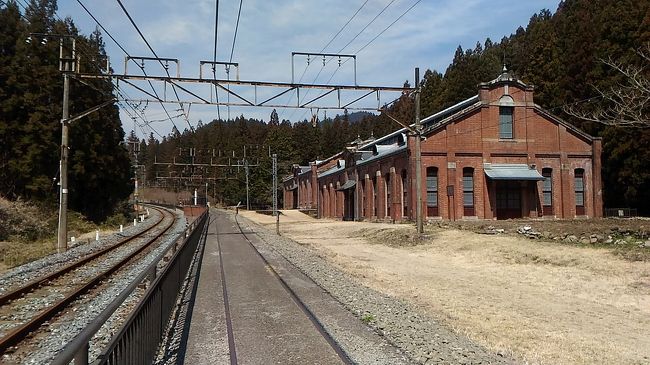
(26, 308)
(345, 359)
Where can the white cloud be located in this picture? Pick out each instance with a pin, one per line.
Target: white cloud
(270, 30)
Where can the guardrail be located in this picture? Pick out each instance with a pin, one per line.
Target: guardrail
(138, 339)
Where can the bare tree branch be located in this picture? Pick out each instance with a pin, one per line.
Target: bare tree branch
(626, 104)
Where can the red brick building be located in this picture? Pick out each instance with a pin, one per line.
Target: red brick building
(496, 155)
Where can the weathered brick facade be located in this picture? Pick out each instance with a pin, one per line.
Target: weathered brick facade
(493, 156)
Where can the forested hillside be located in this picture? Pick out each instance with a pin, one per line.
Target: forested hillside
(31, 90)
(562, 54)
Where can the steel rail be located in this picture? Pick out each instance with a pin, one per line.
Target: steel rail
(16, 293)
(303, 307)
(21, 332)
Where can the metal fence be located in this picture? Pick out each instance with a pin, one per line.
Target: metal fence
(138, 340)
(620, 212)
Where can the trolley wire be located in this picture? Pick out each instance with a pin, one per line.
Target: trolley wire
(323, 49)
(232, 51)
(90, 54)
(126, 12)
(214, 56)
(368, 43)
(100, 25)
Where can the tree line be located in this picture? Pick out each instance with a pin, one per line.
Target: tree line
(567, 54)
(31, 90)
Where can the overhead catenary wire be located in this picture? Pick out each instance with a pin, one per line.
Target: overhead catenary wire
(371, 41)
(214, 55)
(101, 26)
(91, 56)
(126, 12)
(323, 49)
(234, 38)
(232, 51)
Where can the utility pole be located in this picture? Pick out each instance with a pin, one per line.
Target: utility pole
(418, 155)
(248, 205)
(275, 194)
(62, 241)
(136, 150)
(66, 66)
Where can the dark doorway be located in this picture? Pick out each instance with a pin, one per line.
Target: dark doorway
(508, 199)
(295, 199)
(348, 204)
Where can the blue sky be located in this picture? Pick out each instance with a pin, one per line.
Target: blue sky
(269, 31)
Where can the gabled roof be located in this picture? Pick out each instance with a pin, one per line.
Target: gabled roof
(386, 145)
(506, 77)
(340, 166)
(383, 151)
(452, 110)
(303, 170)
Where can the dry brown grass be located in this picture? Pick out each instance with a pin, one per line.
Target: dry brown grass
(28, 231)
(542, 302)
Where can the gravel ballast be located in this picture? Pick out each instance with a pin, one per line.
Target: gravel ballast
(59, 332)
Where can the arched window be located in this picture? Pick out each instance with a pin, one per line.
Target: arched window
(405, 200)
(506, 117)
(362, 196)
(432, 192)
(547, 191)
(579, 186)
(374, 196)
(388, 189)
(468, 192)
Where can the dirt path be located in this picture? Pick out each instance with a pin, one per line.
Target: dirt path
(540, 302)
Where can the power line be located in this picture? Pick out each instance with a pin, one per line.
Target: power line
(156, 55)
(344, 47)
(344, 26)
(232, 51)
(323, 49)
(127, 53)
(214, 56)
(390, 25)
(367, 44)
(234, 39)
(366, 27)
(90, 55)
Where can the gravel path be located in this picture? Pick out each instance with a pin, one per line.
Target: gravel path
(418, 335)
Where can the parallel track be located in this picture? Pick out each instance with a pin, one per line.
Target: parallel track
(20, 332)
(303, 307)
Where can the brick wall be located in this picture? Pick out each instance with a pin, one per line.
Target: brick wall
(469, 141)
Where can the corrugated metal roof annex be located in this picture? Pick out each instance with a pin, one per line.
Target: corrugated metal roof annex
(511, 172)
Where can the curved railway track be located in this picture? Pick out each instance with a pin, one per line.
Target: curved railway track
(62, 277)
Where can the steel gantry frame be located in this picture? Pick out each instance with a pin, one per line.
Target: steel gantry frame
(183, 83)
(242, 101)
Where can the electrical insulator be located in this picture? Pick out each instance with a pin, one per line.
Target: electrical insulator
(339, 61)
(308, 60)
(323, 60)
